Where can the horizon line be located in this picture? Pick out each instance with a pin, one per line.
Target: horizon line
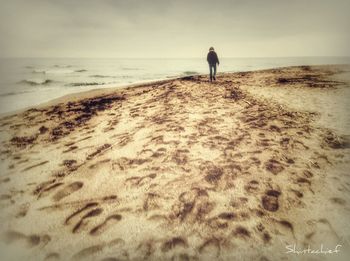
(202, 57)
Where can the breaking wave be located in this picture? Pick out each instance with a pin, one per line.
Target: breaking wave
(62, 66)
(55, 71)
(34, 82)
(190, 73)
(38, 71)
(75, 84)
(102, 76)
(12, 93)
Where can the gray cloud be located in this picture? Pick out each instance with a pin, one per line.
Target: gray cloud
(178, 28)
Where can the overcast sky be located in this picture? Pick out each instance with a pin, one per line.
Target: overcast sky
(174, 28)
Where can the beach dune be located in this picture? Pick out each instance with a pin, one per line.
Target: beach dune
(182, 169)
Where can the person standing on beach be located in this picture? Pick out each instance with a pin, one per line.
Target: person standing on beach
(212, 59)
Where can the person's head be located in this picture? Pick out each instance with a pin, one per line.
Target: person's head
(211, 49)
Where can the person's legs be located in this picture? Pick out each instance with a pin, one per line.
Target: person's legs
(214, 76)
(211, 72)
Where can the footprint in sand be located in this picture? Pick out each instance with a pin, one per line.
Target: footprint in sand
(104, 226)
(274, 166)
(110, 259)
(47, 189)
(93, 251)
(270, 200)
(210, 247)
(242, 233)
(23, 210)
(66, 191)
(4, 180)
(79, 211)
(52, 257)
(88, 252)
(321, 231)
(286, 225)
(83, 222)
(30, 240)
(174, 242)
(252, 186)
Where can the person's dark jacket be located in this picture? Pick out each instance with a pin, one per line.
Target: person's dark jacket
(212, 58)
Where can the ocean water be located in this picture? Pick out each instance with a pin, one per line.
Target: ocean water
(30, 81)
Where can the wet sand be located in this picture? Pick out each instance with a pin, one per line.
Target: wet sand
(182, 170)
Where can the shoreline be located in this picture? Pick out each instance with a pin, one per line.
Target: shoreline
(58, 99)
(141, 83)
(181, 169)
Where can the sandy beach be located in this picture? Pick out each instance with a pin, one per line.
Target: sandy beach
(182, 169)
